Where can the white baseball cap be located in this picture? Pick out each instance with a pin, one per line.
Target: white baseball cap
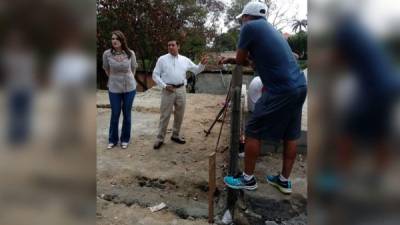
(254, 8)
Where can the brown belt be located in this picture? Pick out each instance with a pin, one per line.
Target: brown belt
(176, 85)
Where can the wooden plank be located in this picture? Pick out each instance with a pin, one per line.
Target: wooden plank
(211, 186)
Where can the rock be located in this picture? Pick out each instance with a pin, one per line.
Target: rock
(181, 213)
(241, 204)
(108, 197)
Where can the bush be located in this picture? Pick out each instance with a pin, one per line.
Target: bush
(298, 44)
(303, 64)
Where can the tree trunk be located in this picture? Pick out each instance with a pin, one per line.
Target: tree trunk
(140, 82)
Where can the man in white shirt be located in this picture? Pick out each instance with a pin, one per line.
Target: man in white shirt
(170, 74)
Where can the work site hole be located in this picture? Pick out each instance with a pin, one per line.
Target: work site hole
(156, 183)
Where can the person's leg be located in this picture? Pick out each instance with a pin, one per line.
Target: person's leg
(281, 181)
(19, 123)
(179, 104)
(252, 149)
(293, 132)
(382, 155)
(115, 102)
(167, 102)
(289, 156)
(345, 153)
(246, 180)
(127, 102)
(293, 113)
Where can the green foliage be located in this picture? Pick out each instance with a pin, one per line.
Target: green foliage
(227, 41)
(298, 44)
(303, 64)
(235, 9)
(194, 45)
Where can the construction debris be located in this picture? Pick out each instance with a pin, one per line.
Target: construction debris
(158, 207)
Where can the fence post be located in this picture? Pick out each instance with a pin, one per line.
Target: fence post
(234, 134)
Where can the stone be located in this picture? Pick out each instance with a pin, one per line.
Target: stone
(181, 213)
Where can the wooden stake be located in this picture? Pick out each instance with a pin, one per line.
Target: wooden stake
(235, 135)
(211, 187)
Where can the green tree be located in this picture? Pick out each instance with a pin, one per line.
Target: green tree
(298, 44)
(227, 41)
(298, 25)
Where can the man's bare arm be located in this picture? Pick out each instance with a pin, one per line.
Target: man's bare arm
(241, 58)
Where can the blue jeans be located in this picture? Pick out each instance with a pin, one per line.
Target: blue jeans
(20, 110)
(120, 101)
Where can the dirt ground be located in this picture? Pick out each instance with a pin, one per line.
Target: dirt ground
(50, 178)
(129, 181)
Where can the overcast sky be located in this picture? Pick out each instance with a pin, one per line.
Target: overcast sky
(298, 6)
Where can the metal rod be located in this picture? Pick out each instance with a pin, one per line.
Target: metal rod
(226, 104)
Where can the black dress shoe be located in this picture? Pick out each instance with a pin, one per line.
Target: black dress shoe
(158, 144)
(178, 140)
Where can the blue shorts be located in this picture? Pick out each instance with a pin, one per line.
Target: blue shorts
(369, 118)
(277, 116)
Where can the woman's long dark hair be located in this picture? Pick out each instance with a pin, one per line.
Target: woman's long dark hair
(124, 45)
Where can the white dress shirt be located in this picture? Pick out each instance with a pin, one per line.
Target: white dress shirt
(171, 69)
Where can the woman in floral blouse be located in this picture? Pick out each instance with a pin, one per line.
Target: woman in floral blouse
(119, 63)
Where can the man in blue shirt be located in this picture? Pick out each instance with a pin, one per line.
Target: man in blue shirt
(277, 114)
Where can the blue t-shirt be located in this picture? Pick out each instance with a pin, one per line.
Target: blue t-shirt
(368, 60)
(275, 63)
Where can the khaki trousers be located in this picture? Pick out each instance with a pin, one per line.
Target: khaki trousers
(171, 100)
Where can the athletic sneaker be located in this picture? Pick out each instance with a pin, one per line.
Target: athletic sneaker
(283, 186)
(238, 182)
